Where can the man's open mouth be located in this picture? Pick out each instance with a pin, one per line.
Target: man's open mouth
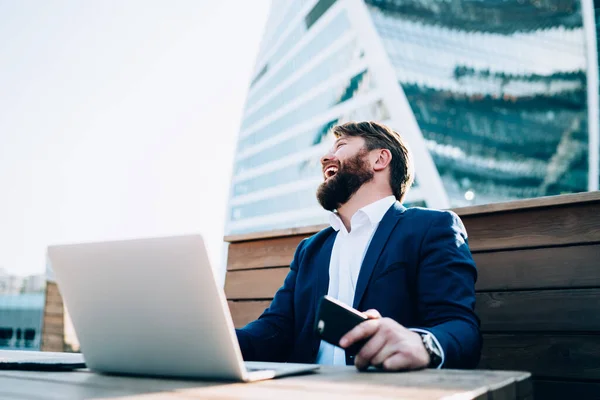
(330, 172)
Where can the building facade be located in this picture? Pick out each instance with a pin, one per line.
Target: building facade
(21, 321)
(498, 100)
(21, 311)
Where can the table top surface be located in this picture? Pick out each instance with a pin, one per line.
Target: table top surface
(330, 383)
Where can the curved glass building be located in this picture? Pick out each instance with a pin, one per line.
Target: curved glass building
(498, 100)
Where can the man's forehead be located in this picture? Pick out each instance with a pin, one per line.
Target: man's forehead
(345, 137)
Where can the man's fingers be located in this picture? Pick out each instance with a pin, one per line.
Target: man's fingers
(363, 330)
(369, 350)
(373, 314)
(397, 362)
(386, 352)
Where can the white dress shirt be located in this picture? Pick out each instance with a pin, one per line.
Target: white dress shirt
(347, 255)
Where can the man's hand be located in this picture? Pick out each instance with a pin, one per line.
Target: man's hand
(391, 346)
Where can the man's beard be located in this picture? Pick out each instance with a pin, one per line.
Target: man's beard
(351, 175)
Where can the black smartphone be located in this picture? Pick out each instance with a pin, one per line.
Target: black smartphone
(334, 319)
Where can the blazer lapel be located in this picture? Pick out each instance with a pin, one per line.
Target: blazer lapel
(380, 238)
(323, 259)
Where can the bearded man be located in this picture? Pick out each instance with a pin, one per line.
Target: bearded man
(409, 269)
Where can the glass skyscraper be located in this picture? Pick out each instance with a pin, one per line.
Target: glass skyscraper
(498, 100)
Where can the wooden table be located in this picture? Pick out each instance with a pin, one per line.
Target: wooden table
(329, 383)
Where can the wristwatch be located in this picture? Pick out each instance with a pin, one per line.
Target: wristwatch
(435, 353)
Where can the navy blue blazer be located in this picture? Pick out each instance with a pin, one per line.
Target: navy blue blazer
(418, 270)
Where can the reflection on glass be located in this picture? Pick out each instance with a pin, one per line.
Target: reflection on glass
(310, 109)
(20, 316)
(328, 35)
(283, 149)
(285, 202)
(332, 65)
(498, 89)
(501, 102)
(281, 16)
(280, 176)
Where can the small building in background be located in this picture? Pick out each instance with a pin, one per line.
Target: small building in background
(22, 301)
(21, 321)
(10, 284)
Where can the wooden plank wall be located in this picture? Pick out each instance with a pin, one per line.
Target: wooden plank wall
(538, 292)
(53, 324)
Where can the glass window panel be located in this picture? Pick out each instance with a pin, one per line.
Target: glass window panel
(336, 28)
(282, 13)
(335, 63)
(311, 108)
(317, 11)
(498, 90)
(307, 221)
(305, 169)
(286, 202)
(285, 148)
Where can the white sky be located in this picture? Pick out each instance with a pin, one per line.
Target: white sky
(118, 119)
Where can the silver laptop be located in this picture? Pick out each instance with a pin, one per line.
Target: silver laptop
(153, 307)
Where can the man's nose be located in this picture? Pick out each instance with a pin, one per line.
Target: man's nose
(327, 158)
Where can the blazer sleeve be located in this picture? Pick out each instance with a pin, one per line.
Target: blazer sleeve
(271, 336)
(446, 291)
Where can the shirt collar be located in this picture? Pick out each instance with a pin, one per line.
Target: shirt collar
(374, 212)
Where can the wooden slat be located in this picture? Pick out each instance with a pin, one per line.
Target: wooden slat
(52, 289)
(51, 342)
(558, 267)
(539, 202)
(53, 324)
(330, 383)
(575, 200)
(524, 389)
(243, 312)
(53, 297)
(544, 355)
(534, 228)
(547, 310)
(54, 309)
(554, 310)
(254, 284)
(543, 310)
(89, 385)
(561, 390)
(302, 231)
(263, 253)
(53, 302)
(518, 229)
(506, 312)
(53, 320)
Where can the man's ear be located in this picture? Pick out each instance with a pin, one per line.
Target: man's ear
(384, 157)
